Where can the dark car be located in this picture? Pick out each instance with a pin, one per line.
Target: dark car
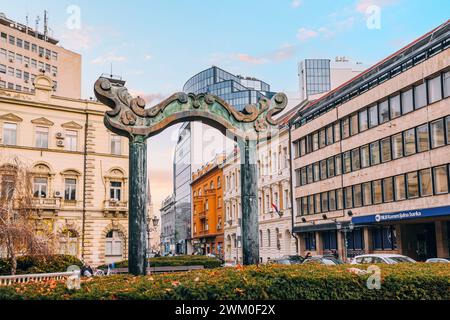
(288, 260)
(326, 260)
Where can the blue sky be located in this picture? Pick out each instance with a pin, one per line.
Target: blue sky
(157, 45)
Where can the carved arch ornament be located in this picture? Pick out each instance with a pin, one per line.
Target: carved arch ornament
(130, 118)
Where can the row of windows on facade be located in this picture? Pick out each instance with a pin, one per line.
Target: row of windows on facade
(269, 242)
(401, 103)
(383, 238)
(27, 62)
(200, 191)
(42, 138)
(415, 140)
(18, 87)
(41, 51)
(20, 75)
(411, 185)
(204, 225)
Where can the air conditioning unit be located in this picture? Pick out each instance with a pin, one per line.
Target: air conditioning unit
(47, 57)
(54, 74)
(26, 65)
(26, 81)
(60, 135)
(41, 55)
(11, 60)
(58, 194)
(60, 143)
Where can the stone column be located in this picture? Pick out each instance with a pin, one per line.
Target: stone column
(367, 240)
(442, 239)
(249, 202)
(137, 210)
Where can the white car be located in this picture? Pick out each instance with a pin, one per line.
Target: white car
(381, 258)
(438, 260)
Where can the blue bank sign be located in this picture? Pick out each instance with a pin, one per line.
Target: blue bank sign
(402, 215)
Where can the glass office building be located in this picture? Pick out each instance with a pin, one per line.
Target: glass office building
(237, 90)
(314, 77)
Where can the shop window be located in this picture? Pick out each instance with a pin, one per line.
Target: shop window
(420, 96)
(355, 239)
(329, 239)
(410, 142)
(395, 108)
(437, 133)
(440, 179)
(384, 238)
(426, 186)
(383, 109)
(400, 187)
(367, 193)
(388, 190)
(310, 241)
(363, 121)
(365, 156)
(413, 185)
(397, 146)
(434, 89)
(386, 150)
(374, 153)
(376, 192)
(423, 141)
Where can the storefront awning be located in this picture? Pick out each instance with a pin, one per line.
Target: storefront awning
(402, 215)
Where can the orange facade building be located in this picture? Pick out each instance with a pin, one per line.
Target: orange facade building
(207, 220)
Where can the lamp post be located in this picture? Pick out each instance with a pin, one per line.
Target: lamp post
(345, 230)
(154, 221)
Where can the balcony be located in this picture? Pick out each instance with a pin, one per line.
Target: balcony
(46, 203)
(114, 208)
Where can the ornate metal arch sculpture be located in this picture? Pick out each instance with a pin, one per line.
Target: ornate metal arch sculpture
(129, 117)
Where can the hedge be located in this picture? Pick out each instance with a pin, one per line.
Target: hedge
(311, 282)
(40, 264)
(207, 262)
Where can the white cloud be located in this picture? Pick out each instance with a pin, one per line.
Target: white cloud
(304, 34)
(148, 57)
(110, 57)
(296, 3)
(283, 53)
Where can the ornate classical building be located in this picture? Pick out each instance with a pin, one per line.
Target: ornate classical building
(79, 169)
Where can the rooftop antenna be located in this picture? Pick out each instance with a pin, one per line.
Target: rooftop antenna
(27, 20)
(111, 70)
(45, 26)
(38, 18)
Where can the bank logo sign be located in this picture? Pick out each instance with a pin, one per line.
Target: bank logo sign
(403, 215)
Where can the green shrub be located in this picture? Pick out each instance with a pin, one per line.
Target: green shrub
(40, 264)
(310, 282)
(207, 262)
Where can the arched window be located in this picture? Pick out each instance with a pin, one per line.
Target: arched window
(206, 205)
(199, 192)
(114, 245)
(218, 182)
(68, 242)
(41, 177)
(211, 185)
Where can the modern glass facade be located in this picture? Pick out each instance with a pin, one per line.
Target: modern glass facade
(314, 75)
(236, 90)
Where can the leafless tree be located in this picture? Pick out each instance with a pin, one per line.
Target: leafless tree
(18, 234)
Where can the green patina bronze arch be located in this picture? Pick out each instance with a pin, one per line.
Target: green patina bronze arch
(130, 118)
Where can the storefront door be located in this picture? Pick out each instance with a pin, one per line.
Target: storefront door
(420, 240)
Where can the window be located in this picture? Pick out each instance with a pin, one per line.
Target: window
(10, 134)
(383, 109)
(423, 143)
(410, 142)
(317, 203)
(388, 190)
(115, 190)
(322, 138)
(339, 199)
(329, 135)
(407, 101)
(337, 132)
(315, 141)
(218, 182)
(447, 124)
(384, 238)
(71, 140)
(316, 172)
(70, 189)
(12, 40)
(420, 96)
(440, 179)
(42, 137)
(68, 242)
(329, 239)
(116, 145)
(426, 185)
(347, 162)
(374, 153)
(357, 196)
(268, 238)
(356, 161)
(400, 187)
(330, 167)
(437, 133)
(365, 156)
(345, 128)
(40, 186)
(311, 204)
(446, 81)
(2, 68)
(413, 185)
(367, 193)
(376, 189)
(348, 197)
(332, 200)
(373, 116)
(310, 241)
(309, 173)
(355, 240)
(7, 186)
(354, 124)
(323, 169)
(338, 166)
(113, 244)
(395, 106)
(363, 121)
(434, 89)
(324, 201)
(397, 146)
(386, 150)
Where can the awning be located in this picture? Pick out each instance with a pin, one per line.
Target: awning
(402, 215)
(318, 227)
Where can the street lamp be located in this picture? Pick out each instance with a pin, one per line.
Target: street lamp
(154, 221)
(345, 230)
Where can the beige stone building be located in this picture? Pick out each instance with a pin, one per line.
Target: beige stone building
(79, 169)
(371, 158)
(26, 53)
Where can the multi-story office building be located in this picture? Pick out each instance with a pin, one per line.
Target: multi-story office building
(26, 53)
(318, 76)
(237, 90)
(168, 226)
(207, 215)
(78, 168)
(372, 158)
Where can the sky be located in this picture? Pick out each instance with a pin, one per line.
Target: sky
(157, 45)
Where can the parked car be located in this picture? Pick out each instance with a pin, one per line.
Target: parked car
(381, 258)
(326, 260)
(288, 260)
(438, 260)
